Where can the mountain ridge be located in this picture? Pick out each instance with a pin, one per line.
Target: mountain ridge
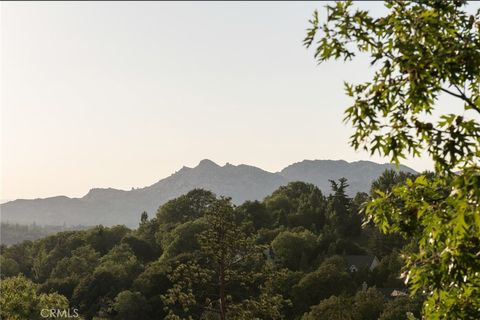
(242, 182)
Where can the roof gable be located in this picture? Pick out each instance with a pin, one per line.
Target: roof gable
(360, 261)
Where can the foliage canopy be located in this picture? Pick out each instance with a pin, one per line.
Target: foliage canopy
(419, 50)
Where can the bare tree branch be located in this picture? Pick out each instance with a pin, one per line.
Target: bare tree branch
(461, 95)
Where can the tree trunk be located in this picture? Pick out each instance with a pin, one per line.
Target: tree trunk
(221, 282)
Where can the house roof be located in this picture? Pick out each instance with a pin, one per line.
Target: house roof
(393, 292)
(360, 261)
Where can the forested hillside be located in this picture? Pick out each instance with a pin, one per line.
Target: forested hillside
(298, 254)
(14, 233)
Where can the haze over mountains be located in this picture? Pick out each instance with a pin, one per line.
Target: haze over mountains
(242, 182)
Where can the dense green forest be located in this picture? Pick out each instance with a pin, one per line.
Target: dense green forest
(298, 254)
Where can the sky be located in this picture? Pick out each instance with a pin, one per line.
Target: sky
(123, 94)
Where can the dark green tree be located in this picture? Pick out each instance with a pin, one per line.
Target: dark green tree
(257, 214)
(368, 304)
(22, 255)
(401, 308)
(185, 208)
(103, 239)
(154, 281)
(9, 267)
(342, 214)
(295, 250)
(130, 305)
(122, 263)
(115, 272)
(95, 292)
(387, 274)
(333, 308)
(143, 250)
(182, 239)
(389, 179)
(69, 271)
(297, 204)
(331, 278)
(143, 218)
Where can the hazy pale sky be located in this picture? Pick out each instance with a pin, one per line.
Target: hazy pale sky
(123, 94)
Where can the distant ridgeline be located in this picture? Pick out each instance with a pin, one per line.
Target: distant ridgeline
(111, 206)
(15, 233)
